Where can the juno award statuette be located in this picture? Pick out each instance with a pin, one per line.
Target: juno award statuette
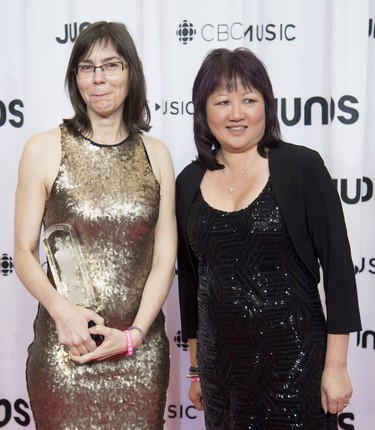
(67, 265)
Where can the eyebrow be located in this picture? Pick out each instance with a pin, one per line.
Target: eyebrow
(105, 60)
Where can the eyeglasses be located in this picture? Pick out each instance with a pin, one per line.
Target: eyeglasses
(112, 68)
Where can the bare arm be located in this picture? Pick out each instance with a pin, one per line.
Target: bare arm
(37, 171)
(336, 386)
(162, 271)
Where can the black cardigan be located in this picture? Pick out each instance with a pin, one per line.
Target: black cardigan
(312, 212)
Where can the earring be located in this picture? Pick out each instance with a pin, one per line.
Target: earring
(213, 147)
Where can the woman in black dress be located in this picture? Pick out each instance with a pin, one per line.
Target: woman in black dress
(256, 217)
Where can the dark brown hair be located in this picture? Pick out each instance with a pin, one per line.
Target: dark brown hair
(223, 68)
(136, 114)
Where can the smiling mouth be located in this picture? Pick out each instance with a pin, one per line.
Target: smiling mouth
(237, 128)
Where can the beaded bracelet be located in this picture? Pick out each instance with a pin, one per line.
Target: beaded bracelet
(141, 332)
(129, 351)
(193, 372)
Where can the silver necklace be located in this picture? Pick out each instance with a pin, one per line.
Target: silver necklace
(232, 187)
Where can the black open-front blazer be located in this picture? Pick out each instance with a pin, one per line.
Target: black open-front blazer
(312, 212)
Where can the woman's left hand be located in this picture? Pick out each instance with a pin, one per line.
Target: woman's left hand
(336, 389)
(114, 344)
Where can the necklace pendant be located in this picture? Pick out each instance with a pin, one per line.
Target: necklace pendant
(231, 190)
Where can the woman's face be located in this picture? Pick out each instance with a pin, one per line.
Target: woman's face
(103, 94)
(236, 118)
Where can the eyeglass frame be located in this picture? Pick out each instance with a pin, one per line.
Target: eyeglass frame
(124, 65)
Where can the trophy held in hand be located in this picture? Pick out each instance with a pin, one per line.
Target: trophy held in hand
(68, 268)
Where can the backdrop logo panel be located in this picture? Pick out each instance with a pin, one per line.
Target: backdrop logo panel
(292, 112)
(71, 31)
(179, 342)
(186, 32)
(354, 191)
(346, 421)
(222, 32)
(18, 412)
(6, 264)
(175, 107)
(10, 112)
(182, 412)
(366, 265)
(371, 28)
(366, 339)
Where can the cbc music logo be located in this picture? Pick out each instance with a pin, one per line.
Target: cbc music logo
(6, 264)
(221, 32)
(179, 342)
(186, 32)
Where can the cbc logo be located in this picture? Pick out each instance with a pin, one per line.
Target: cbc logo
(186, 32)
(179, 342)
(6, 265)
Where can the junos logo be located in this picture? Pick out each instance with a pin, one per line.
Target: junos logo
(363, 190)
(71, 31)
(366, 339)
(346, 421)
(292, 112)
(366, 265)
(179, 342)
(18, 412)
(222, 32)
(371, 28)
(6, 265)
(11, 112)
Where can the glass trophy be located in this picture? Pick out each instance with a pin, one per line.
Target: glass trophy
(67, 265)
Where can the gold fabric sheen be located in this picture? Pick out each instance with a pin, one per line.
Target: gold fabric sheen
(111, 197)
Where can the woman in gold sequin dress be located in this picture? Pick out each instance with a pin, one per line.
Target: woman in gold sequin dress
(115, 186)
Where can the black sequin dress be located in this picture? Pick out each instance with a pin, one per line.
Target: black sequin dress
(262, 331)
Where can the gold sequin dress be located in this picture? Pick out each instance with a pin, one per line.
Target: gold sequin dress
(111, 197)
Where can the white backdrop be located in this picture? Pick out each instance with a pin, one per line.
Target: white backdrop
(320, 56)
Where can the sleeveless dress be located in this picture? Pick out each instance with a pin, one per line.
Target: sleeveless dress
(262, 332)
(111, 197)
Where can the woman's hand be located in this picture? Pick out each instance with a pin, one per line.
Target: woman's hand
(114, 343)
(336, 389)
(195, 395)
(72, 326)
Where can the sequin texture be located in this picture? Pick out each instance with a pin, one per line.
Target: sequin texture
(262, 332)
(111, 197)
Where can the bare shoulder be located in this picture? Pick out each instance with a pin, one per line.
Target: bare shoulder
(43, 143)
(155, 146)
(159, 155)
(41, 157)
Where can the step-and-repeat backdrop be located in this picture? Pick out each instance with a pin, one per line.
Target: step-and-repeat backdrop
(320, 56)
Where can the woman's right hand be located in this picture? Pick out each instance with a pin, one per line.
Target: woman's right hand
(72, 326)
(195, 395)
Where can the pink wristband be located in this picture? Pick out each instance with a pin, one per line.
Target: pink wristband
(129, 351)
(195, 379)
